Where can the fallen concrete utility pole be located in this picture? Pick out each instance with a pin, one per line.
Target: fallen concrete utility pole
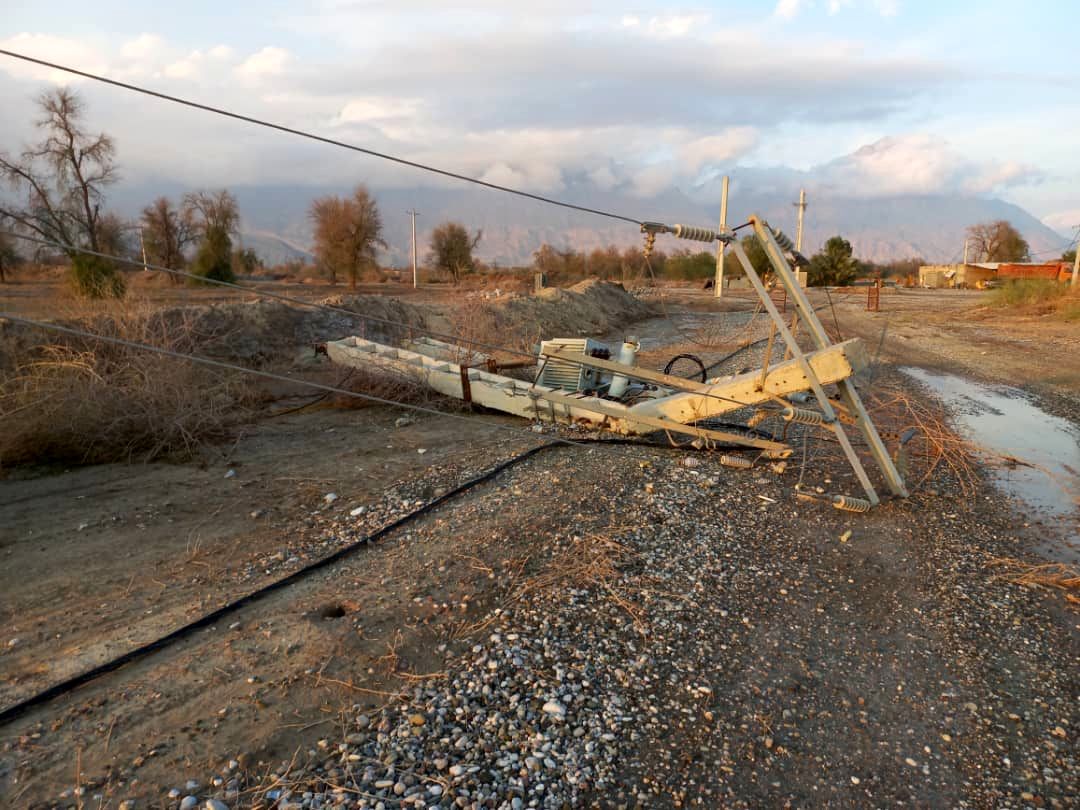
(578, 384)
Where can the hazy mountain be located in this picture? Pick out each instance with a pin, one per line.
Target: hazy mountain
(276, 225)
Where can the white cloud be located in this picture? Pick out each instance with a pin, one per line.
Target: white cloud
(603, 178)
(789, 9)
(143, 47)
(676, 25)
(270, 61)
(59, 50)
(713, 149)
(1064, 222)
(919, 163)
(367, 109)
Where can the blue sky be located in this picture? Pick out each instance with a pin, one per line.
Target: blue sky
(870, 97)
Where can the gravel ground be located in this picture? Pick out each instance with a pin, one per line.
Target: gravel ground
(720, 644)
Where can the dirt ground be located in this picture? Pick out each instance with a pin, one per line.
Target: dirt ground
(98, 560)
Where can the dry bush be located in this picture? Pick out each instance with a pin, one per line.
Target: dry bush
(476, 323)
(1056, 576)
(68, 399)
(388, 384)
(935, 444)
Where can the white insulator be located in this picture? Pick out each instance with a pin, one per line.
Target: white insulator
(849, 504)
(627, 356)
(736, 461)
(695, 234)
(782, 239)
(803, 416)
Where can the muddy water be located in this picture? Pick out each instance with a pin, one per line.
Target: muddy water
(1006, 422)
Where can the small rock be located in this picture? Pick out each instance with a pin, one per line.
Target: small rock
(189, 803)
(403, 421)
(330, 497)
(357, 511)
(231, 474)
(555, 708)
(214, 804)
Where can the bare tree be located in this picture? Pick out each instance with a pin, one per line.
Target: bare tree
(452, 247)
(347, 232)
(63, 176)
(213, 210)
(167, 233)
(998, 242)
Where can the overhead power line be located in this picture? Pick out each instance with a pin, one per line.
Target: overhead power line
(301, 302)
(267, 294)
(207, 361)
(312, 136)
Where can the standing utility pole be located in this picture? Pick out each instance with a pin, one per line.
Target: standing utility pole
(718, 282)
(413, 212)
(801, 205)
(966, 243)
(142, 247)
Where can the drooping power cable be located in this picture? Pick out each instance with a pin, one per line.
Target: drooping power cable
(312, 136)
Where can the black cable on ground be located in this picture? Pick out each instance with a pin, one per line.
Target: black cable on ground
(12, 713)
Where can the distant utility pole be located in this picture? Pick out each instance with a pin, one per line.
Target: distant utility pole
(718, 282)
(966, 243)
(413, 212)
(1076, 260)
(142, 247)
(801, 205)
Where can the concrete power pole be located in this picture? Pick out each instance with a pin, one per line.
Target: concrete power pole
(413, 212)
(801, 205)
(718, 282)
(966, 243)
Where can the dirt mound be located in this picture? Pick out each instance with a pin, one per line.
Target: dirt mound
(263, 330)
(590, 307)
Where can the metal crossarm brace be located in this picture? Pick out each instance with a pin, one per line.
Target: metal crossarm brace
(848, 393)
(819, 392)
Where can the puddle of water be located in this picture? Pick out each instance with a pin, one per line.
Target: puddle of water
(1005, 421)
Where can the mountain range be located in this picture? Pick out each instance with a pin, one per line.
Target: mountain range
(881, 228)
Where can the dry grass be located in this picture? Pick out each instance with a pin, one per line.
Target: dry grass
(934, 447)
(590, 561)
(1056, 576)
(477, 321)
(78, 400)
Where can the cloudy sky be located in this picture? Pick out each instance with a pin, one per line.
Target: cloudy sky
(870, 97)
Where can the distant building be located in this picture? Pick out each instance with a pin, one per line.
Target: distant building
(975, 275)
(958, 276)
(1056, 271)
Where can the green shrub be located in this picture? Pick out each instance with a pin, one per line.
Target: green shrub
(1028, 292)
(214, 259)
(95, 277)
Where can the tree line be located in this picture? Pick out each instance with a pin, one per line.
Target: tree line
(59, 185)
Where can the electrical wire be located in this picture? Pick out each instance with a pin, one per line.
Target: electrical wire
(269, 375)
(316, 305)
(266, 293)
(312, 136)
